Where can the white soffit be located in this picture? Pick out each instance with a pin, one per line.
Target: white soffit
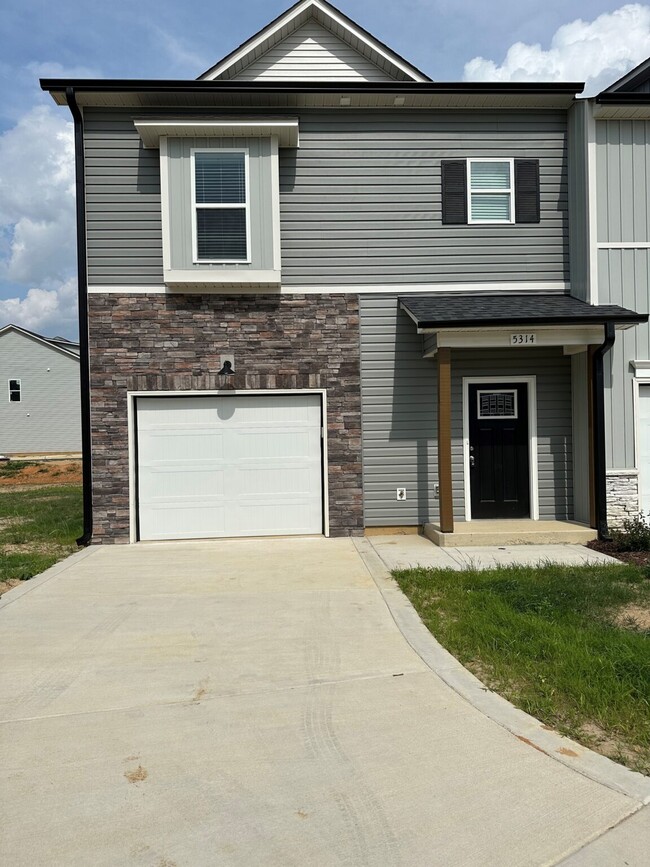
(394, 66)
(622, 111)
(286, 129)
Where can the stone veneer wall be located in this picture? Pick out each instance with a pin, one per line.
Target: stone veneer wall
(156, 342)
(622, 496)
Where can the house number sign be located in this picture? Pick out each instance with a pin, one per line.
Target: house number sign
(523, 339)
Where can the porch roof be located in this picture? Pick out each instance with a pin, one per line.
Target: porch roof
(475, 311)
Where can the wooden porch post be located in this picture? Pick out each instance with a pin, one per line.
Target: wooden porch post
(445, 494)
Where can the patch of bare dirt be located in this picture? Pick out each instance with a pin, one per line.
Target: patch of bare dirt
(8, 584)
(42, 474)
(633, 616)
(607, 745)
(9, 522)
(634, 558)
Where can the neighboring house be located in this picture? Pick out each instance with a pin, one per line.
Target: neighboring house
(39, 407)
(382, 260)
(610, 246)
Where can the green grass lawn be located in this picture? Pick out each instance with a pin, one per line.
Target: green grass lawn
(569, 645)
(37, 528)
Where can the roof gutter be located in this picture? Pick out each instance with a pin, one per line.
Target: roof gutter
(82, 298)
(598, 403)
(103, 85)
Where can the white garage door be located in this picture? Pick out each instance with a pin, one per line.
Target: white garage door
(643, 434)
(241, 465)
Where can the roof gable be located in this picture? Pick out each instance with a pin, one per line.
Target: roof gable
(70, 350)
(313, 41)
(637, 80)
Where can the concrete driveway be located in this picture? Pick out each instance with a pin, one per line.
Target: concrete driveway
(254, 702)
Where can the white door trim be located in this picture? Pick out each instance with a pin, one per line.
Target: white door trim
(531, 382)
(131, 419)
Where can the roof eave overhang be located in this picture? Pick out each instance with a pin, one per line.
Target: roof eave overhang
(158, 93)
(633, 106)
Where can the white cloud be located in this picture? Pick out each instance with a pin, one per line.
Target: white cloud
(48, 311)
(597, 52)
(37, 220)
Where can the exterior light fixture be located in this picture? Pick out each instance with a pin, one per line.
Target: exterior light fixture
(226, 370)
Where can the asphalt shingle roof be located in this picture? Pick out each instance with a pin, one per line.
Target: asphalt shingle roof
(462, 311)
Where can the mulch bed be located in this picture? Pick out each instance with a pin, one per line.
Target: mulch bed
(635, 558)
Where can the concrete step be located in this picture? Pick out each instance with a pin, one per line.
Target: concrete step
(520, 532)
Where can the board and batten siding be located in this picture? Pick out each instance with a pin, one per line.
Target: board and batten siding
(623, 182)
(47, 419)
(360, 199)
(399, 418)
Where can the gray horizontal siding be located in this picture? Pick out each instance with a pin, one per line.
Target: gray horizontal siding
(312, 53)
(399, 417)
(360, 199)
(624, 278)
(623, 179)
(122, 202)
(48, 417)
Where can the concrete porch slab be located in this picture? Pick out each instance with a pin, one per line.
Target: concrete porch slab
(405, 552)
(517, 532)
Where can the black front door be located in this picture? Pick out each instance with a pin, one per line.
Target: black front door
(498, 450)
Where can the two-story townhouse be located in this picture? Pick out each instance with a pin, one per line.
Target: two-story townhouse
(323, 293)
(610, 252)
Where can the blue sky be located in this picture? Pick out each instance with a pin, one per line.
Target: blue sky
(448, 39)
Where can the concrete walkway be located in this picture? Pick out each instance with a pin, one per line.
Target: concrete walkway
(249, 702)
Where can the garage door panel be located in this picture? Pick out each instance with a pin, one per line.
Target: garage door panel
(197, 520)
(167, 483)
(229, 466)
(206, 444)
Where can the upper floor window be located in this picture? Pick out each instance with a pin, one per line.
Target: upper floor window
(221, 205)
(14, 390)
(490, 191)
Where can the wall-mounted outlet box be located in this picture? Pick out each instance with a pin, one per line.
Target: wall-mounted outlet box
(401, 493)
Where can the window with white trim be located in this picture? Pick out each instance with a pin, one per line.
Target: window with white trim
(14, 391)
(221, 206)
(490, 191)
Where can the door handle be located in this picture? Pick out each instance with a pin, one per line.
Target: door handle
(471, 460)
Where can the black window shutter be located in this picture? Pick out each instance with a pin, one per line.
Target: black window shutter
(527, 191)
(454, 191)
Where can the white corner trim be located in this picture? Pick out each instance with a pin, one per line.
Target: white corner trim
(592, 205)
(531, 382)
(275, 204)
(164, 204)
(132, 450)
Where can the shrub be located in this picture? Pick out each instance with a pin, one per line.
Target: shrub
(634, 535)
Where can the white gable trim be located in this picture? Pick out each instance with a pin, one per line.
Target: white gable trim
(325, 14)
